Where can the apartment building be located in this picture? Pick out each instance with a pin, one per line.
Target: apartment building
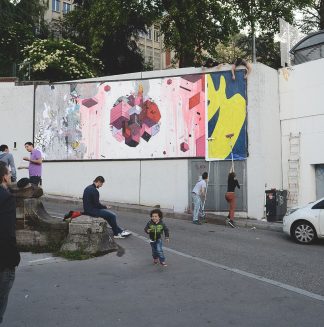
(56, 10)
(152, 47)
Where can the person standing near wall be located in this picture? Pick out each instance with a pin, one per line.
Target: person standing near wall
(199, 192)
(8, 159)
(230, 196)
(9, 254)
(35, 164)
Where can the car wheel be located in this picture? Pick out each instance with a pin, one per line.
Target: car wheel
(303, 232)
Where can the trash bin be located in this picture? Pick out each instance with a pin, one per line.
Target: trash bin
(276, 204)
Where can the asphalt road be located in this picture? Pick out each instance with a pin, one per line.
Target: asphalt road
(216, 276)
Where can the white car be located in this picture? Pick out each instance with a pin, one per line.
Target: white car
(305, 224)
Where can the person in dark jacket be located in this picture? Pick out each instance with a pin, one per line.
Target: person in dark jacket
(93, 207)
(155, 227)
(230, 196)
(9, 254)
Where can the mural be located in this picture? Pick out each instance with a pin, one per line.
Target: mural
(226, 111)
(155, 118)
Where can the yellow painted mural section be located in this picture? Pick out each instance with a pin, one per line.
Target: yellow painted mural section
(232, 114)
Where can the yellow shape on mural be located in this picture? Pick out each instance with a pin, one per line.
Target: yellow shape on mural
(231, 118)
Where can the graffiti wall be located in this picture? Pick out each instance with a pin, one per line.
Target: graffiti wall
(226, 112)
(155, 118)
(141, 119)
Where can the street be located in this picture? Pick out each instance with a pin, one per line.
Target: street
(216, 276)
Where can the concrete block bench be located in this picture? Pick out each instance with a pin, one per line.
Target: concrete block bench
(89, 235)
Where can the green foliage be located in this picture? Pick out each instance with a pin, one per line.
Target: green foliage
(312, 16)
(109, 30)
(236, 47)
(192, 28)
(19, 24)
(58, 60)
(75, 255)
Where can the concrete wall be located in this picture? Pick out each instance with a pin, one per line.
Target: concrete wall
(264, 141)
(16, 112)
(151, 182)
(302, 111)
(147, 182)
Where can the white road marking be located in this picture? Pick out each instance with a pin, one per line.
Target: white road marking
(39, 260)
(241, 272)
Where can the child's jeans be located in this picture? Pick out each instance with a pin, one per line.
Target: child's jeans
(157, 251)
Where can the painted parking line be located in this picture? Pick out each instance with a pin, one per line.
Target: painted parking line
(240, 272)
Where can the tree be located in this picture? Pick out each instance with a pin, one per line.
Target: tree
(20, 22)
(193, 28)
(262, 17)
(239, 46)
(312, 17)
(58, 60)
(109, 30)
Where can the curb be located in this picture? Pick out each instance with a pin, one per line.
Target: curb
(211, 218)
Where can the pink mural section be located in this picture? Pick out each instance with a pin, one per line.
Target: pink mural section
(149, 118)
(91, 110)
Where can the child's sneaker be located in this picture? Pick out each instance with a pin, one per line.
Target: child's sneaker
(163, 264)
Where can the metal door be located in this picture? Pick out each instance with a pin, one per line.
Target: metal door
(319, 175)
(217, 184)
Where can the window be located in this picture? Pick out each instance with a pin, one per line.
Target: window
(149, 34)
(156, 36)
(66, 7)
(319, 205)
(56, 5)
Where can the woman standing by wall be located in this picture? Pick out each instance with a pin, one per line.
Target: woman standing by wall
(230, 196)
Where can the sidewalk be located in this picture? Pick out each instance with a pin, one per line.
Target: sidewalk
(211, 217)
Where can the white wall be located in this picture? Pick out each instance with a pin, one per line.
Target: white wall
(148, 182)
(16, 120)
(264, 161)
(151, 182)
(302, 111)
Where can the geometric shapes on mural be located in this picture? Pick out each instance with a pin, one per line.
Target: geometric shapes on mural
(90, 102)
(150, 114)
(155, 129)
(146, 132)
(136, 119)
(119, 114)
(200, 146)
(194, 100)
(184, 146)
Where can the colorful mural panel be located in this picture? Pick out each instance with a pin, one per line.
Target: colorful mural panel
(155, 118)
(226, 112)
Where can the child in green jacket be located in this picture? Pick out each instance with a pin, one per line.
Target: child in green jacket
(155, 227)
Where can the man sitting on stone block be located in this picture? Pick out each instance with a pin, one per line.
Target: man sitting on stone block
(93, 207)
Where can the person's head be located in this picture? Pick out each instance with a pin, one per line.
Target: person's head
(231, 175)
(238, 61)
(29, 146)
(5, 175)
(4, 148)
(156, 215)
(98, 181)
(204, 175)
(211, 63)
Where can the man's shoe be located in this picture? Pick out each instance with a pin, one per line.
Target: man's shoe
(196, 222)
(119, 236)
(125, 233)
(155, 261)
(163, 264)
(231, 224)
